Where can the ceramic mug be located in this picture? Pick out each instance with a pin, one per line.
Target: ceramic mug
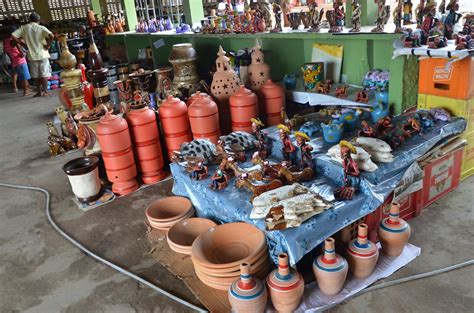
(313, 73)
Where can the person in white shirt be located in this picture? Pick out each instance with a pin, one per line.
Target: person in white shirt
(38, 40)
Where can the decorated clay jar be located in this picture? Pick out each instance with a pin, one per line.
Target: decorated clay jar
(164, 76)
(67, 60)
(285, 286)
(247, 294)
(204, 118)
(330, 269)
(243, 107)
(393, 232)
(271, 98)
(116, 144)
(183, 59)
(362, 254)
(224, 83)
(174, 119)
(146, 140)
(259, 71)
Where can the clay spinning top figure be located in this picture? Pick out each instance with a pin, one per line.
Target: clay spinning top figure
(247, 294)
(393, 232)
(355, 18)
(259, 71)
(305, 148)
(315, 18)
(451, 18)
(261, 142)
(397, 17)
(383, 14)
(330, 269)
(277, 12)
(362, 254)
(285, 286)
(288, 148)
(351, 173)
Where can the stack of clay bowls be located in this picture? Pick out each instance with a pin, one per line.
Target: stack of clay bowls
(218, 253)
(181, 235)
(164, 213)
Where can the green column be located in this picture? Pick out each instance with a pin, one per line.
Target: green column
(193, 11)
(42, 8)
(130, 13)
(96, 7)
(369, 12)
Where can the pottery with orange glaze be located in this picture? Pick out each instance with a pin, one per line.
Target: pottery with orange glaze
(271, 98)
(243, 107)
(204, 118)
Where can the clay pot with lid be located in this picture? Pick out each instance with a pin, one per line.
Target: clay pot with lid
(259, 71)
(115, 141)
(247, 294)
(330, 269)
(271, 97)
(393, 232)
(174, 119)
(146, 140)
(243, 107)
(204, 118)
(285, 286)
(362, 254)
(83, 176)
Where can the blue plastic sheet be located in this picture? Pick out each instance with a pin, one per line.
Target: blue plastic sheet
(232, 205)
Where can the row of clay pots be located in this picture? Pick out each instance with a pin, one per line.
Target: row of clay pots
(164, 213)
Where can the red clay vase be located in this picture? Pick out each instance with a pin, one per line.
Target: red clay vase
(259, 71)
(146, 140)
(330, 269)
(114, 138)
(243, 107)
(271, 98)
(174, 119)
(393, 232)
(204, 118)
(247, 294)
(285, 286)
(362, 254)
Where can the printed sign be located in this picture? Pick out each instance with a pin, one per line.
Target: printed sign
(442, 73)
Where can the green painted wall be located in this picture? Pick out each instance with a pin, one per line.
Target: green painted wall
(193, 11)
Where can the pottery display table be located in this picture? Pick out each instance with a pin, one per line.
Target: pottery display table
(231, 204)
(313, 98)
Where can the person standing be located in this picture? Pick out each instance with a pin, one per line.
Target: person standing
(19, 64)
(38, 40)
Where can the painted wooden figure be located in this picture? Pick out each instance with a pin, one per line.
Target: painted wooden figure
(288, 147)
(351, 173)
(261, 142)
(305, 149)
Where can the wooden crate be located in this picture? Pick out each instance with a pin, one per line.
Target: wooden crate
(467, 168)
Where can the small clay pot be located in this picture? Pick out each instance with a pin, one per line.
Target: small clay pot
(247, 294)
(393, 232)
(330, 269)
(83, 176)
(362, 254)
(168, 209)
(183, 234)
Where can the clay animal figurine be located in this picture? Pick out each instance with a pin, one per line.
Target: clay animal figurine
(451, 18)
(293, 122)
(243, 139)
(362, 96)
(302, 140)
(383, 126)
(247, 294)
(341, 91)
(366, 130)
(219, 180)
(412, 126)
(197, 148)
(270, 170)
(291, 177)
(362, 254)
(266, 10)
(256, 187)
(383, 14)
(330, 269)
(315, 17)
(261, 142)
(305, 19)
(356, 15)
(52, 130)
(325, 87)
(351, 173)
(277, 13)
(398, 17)
(55, 148)
(288, 148)
(393, 232)
(310, 128)
(231, 165)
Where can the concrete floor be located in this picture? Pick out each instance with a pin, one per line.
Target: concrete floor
(41, 272)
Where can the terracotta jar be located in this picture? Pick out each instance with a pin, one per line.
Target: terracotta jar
(271, 98)
(259, 71)
(174, 119)
(285, 286)
(93, 145)
(362, 254)
(146, 141)
(224, 83)
(116, 144)
(195, 96)
(247, 294)
(243, 107)
(183, 59)
(204, 118)
(83, 176)
(330, 269)
(393, 232)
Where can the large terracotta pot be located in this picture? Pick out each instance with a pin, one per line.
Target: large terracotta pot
(247, 294)
(330, 269)
(243, 107)
(204, 118)
(174, 119)
(285, 286)
(146, 140)
(393, 232)
(271, 98)
(362, 254)
(83, 176)
(183, 59)
(116, 144)
(259, 71)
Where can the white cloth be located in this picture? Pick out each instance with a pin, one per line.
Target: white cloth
(35, 37)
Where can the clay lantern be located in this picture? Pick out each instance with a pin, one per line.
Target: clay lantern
(259, 71)
(174, 119)
(243, 107)
(271, 98)
(204, 118)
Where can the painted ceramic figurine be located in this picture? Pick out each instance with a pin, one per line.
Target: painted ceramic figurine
(340, 14)
(397, 17)
(419, 13)
(429, 21)
(412, 38)
(325, 87)
(351, 173)
(219, 180)
(341, 91)
(302, 140)
(366, 130)
(362, 96)
(199, 171)
(383, 126)
(288, 147)
(442, 7)
(355, 18)
(315, 17)
(451, 19)
(383, 14)
(261, 142)
(407, 12)
(277, 12)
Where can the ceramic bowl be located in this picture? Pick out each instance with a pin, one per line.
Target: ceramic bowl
(255, 267)
(178, 249)
(183, 233)
(168, 209)
(168, 225)
(228, 245)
